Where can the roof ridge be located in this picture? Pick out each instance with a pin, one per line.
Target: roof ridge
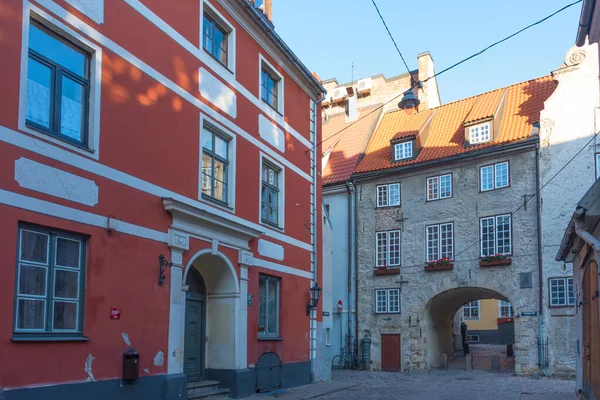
(479, 94)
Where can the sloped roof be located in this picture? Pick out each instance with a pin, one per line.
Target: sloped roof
(446, 137)
(346, 147)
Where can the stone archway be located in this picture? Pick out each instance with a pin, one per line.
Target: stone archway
(222, 309)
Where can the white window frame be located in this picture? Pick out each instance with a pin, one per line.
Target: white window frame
(231, 41)
(476, 129)
(494, 174)
(265, 159)
(265, 333)
(387, 306)
(95, 80)
(263, 63)
(388, 195)
(597, 157)
(495, 230)
(569, 287)
(404, 149)
(386, 235)
(469, 307)
(505, 304)
(231, 170)
(436, 182)
(431, 254)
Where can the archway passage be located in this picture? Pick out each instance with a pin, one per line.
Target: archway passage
(476, 320)
(195, 327)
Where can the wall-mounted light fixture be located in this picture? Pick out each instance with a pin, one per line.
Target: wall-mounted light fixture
(315, 295)
(163, 263)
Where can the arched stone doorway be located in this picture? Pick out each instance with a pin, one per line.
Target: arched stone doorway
(439, 316)
(220, 338)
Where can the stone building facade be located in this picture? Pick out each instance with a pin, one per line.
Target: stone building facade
(426, 213)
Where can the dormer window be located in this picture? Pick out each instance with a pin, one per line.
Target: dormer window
(403, 150)
(480, 133)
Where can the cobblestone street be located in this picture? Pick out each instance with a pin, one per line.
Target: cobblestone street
(451, 384)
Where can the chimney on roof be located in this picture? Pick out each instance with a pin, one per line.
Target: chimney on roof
(351, 105)
(429, 95)
(266, 6)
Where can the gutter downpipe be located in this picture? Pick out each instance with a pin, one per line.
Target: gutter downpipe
(351, 241)
(543, 355)
(580, 230)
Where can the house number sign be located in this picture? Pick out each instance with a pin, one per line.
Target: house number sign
(250, 299)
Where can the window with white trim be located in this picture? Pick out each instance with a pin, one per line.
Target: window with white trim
(439, 187)
(388, 195)
(268, 306)
(471, 310)
(269, 210)
(403, 151)
(496, 235)
(440, 241)
(388, 249)
(215, 166)
(50, 283)
(479, 133)
(58, 86)
(562, 292)
(597, 165)
(218, 39)
(387, 301)
(494, 176)
(505, 309)
(271, 86)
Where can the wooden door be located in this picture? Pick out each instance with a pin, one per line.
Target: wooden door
(591, 332)
(195, 321)
(390, 352)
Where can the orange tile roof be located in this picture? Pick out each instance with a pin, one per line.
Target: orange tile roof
(347, 145)
(446, 137)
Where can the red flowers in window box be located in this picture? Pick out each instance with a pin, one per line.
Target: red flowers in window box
(495, 260)
(384, 270)
(441, 264)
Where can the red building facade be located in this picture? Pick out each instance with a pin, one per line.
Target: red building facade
(134, 129)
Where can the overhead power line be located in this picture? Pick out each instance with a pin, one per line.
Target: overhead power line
(444, 70)
(391, 37)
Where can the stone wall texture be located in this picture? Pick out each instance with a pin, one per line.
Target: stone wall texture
(429, 300)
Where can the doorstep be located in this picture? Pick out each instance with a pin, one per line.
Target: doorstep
(306, 392)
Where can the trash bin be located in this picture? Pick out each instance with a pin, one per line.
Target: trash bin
(131, 365)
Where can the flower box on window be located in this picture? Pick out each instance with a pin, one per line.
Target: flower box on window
(386, 271)
(442, 264)
(497, 260)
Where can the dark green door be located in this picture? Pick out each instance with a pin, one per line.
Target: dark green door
(195, 317)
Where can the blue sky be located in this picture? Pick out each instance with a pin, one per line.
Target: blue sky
(328, 35)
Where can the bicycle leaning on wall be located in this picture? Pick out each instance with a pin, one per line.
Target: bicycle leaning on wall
(347, 360)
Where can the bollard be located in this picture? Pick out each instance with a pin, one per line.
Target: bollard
(495, 364)
(468, 362)
(443, 361)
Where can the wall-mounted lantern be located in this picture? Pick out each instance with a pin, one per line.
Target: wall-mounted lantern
(315, 295)
(163, 263)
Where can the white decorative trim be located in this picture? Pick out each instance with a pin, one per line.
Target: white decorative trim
(176, 321)
(215, 247)
(56, 210)
(179, 240)
(246, 258)
(43, 148)
(282, 268)
(148, 70)
(270, 249)
(210, 62)
(264, 63)
(281, 199)
(93, 9)
(31, 11)
(271, 133)
(218, 93)
(55, 182)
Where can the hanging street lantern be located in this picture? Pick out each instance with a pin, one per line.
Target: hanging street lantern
(409, 102)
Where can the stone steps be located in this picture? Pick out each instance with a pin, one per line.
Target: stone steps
(206, 390)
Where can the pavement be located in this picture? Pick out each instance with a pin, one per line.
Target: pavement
(307, 391)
